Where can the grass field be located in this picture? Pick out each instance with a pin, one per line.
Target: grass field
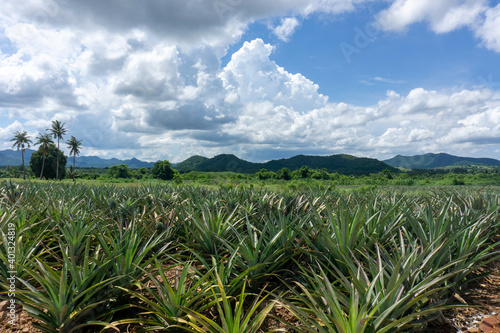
(167, 258)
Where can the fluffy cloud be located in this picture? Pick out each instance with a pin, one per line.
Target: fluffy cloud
(489, 32)
(253, 77)
(480, 128)
(286, 28)
(145, 80)
(436, 121)
(421, 120)
(445, 16)
(31, 77)
(188, 22)
(402, 136)
(177, 104)
(6, 133)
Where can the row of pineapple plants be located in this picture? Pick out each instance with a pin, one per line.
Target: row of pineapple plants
(160, 258)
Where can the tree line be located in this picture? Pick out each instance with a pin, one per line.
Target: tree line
(49, 152)
(57, 131)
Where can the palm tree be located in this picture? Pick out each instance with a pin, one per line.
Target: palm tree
(57, 130)
(74, 145)
(44, 140)
(20, 140)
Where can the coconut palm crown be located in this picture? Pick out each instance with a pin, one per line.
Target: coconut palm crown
(74, 146)
(57, 130)
(21, 140)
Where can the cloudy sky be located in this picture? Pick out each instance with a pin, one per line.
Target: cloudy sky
(167, 79)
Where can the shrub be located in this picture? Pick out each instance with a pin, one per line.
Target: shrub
(162, 170)
(49, 169)
(119, 171)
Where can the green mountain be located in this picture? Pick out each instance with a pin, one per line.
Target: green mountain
(97, 162)
(228, 162)
(13, 158)
(431, 161)
(191, 163)
(343, 164)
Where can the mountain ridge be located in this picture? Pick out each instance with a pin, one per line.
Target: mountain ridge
(440, 160)
(11, 157)
(341, 163)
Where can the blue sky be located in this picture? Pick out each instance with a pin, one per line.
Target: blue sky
(390, 60)
(258, 79)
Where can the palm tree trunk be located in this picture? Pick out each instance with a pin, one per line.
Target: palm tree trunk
(43, 165)
(24, 171)
(57, 164)
(74, 161)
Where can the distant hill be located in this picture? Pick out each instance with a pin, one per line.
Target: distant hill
(431, 161)
(13, 158)
(97, 162)
(228, 162)
(343, 164)
(191, 163)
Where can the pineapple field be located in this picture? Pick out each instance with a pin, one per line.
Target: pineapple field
(162, 258)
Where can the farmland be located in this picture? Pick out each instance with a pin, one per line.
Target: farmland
(159, 257)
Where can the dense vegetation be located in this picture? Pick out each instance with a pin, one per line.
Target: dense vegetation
(284, 178)
(342, 164)
(230, 259)
(48, 154)
(48, 163)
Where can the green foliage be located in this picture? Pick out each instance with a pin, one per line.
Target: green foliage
(177, 177)
(318, 177)
(67, 298)
(162, 170)
(74, 146)
(284, 174)
(457, 181)
(263, 174)
(57, 130)
(21, 140)
(217, 258)
(304, 172)
(235, 316)
(119, 171)
(49, 169)
(141, 173)
(402, 179)
(344, 164)
(320, 174)
(44, 140)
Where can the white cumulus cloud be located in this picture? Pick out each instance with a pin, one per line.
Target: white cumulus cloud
(148, 81)
(286, 28)
(445, 16)
(253, 76)
(489, 31)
